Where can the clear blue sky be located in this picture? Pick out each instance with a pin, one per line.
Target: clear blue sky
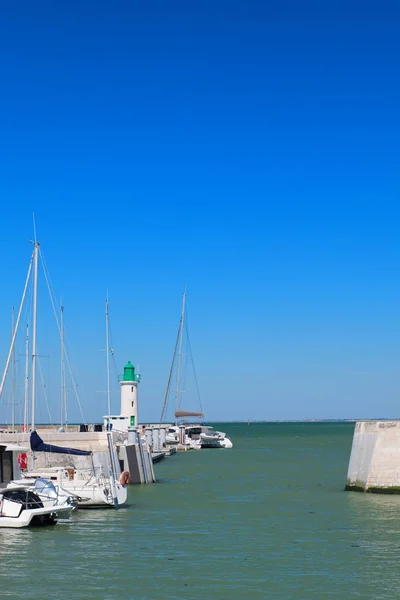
(247, 149)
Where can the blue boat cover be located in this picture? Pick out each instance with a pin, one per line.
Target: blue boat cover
(38, 445)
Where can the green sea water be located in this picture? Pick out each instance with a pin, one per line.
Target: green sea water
(267, 519)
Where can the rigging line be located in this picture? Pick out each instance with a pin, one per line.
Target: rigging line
(65, 350)
(194, 369)
(21, 417)
(53, 293)
(170, 377)
(13, 377)
(196, 381)
(184, 382)
(34, 228)
(178, 370)
(114, 364)
(69, 349)
(26, 380)
(184, 370)
(63, 403)
(112, 350)
(45, 268)
(185, 351)
(16, 326)
(45, 392)
(59, 331)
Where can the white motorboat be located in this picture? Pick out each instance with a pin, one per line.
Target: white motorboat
(23, 503)
(172, 435)
(215, 439)
(177, 435)
(50, 495)
(21, 507)
(206, 437)
(198, 436)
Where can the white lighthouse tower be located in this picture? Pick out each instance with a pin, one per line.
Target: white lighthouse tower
(129, 415)
(129, 395)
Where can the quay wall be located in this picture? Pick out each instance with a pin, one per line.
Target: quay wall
(375, 458)
(135, 458)
(93, 441)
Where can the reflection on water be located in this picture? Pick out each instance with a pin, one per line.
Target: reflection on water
(268, 519)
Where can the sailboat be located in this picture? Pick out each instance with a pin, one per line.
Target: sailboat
(91, 487)
(97, 485)
(196, 436)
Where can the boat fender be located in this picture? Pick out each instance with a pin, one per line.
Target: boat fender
(124, 478)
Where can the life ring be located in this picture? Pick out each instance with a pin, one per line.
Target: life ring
(124, 478)
(22, 460)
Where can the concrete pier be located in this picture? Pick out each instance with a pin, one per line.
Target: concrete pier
(137, 448)
(375, 458)
(133, 455)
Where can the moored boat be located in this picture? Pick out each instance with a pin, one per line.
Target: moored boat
(198, 436)
(87, 489)
(192, 435)
(21, 507)
(92, 487)
(207, 437)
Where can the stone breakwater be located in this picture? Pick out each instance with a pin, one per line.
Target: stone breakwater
(375, 458)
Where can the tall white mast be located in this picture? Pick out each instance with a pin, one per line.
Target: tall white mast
(26, 399)
(108, 362)
(64, 415)
(12, 374)
(178, 372)
(35, 288)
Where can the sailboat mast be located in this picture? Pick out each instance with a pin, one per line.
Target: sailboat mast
(26, 399)
(178, 371)
(35, 288)
(108, 362)
(63, 386)
(12, 374)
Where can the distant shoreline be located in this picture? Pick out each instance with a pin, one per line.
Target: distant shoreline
(247, 421)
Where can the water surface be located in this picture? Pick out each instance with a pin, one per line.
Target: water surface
(267, 519)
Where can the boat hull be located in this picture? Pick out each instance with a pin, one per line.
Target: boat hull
(214, 439)
(82, 493)
(98, 497)
(35, 517)
(216, 443)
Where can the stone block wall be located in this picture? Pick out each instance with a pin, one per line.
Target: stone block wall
(375, 457)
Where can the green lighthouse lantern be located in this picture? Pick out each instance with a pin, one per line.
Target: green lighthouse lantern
(129, 372)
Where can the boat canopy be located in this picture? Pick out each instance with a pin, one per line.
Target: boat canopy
(185, 413)
(12, 448)
(38, 445)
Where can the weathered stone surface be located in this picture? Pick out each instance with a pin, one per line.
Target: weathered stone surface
(375, 458)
